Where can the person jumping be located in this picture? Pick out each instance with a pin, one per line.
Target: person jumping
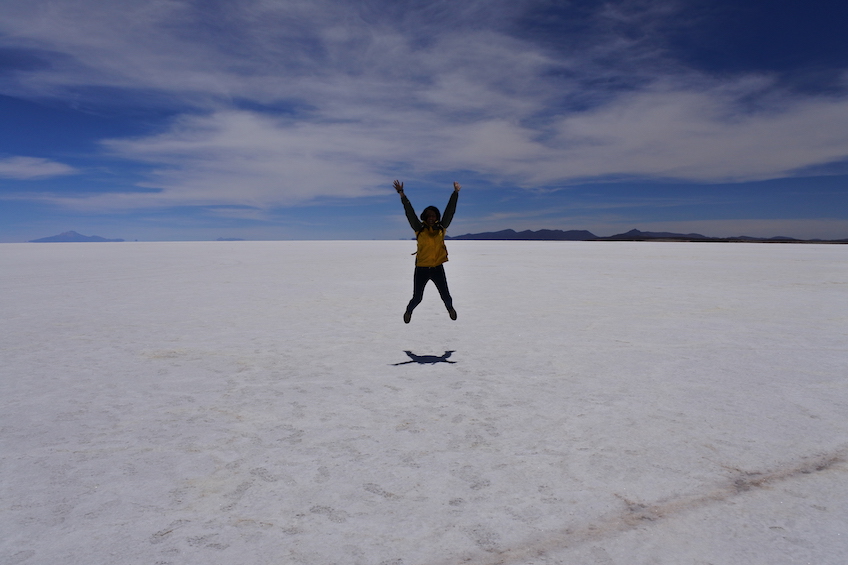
(432, 253)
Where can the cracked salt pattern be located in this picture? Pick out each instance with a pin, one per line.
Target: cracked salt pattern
(263, 402)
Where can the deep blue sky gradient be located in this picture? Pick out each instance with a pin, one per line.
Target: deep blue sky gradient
(195, 120)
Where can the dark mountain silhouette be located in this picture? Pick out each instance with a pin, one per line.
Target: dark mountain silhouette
(639, 235)
(636, 235)
(632, 235)
(528, 235)
(72, 236)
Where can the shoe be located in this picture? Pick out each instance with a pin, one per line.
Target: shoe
(452, 313)
(407, 316)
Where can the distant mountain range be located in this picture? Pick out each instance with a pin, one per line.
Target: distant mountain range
(74, 237)
(632, 235)
(528, 235)
(636, 235)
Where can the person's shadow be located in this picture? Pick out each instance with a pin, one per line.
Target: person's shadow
(426, 359)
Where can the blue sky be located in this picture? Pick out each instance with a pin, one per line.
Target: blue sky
(278, 119)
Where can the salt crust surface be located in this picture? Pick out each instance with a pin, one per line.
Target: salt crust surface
(249, 402)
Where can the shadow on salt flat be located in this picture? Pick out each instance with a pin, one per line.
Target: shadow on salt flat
(426, 359)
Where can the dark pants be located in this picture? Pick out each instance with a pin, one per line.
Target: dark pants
(424, 274)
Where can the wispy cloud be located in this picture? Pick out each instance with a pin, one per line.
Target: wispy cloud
(289, 101)
(704, 134)
(33, 168)
(256, 159)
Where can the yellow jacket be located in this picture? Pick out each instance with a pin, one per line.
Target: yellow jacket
(431, 241)
(431, 247)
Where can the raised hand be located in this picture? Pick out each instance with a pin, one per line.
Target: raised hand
(456, 186)
(399, 186)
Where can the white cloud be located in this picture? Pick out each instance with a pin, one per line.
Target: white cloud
(237, 157)
(376, 87)
(698, 135)
(33, 168)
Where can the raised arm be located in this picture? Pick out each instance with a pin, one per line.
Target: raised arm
(414, 222)
(450, 209)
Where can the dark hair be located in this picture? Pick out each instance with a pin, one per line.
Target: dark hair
(432, 209)
(438, 224)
